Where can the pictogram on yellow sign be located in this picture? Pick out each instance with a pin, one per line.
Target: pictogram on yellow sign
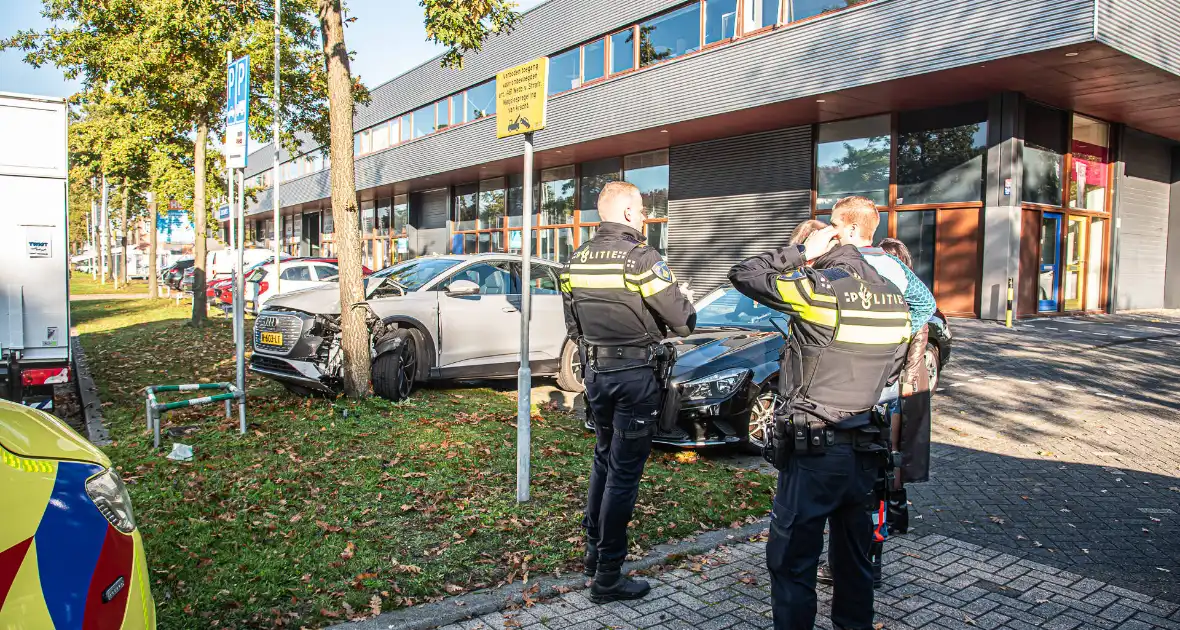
(520, 98)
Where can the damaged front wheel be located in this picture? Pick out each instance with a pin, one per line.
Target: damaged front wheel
(394, 368)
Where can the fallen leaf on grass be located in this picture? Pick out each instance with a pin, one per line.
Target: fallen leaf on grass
(328, 527)
(349, 551)
(375, 604)
(452, 589)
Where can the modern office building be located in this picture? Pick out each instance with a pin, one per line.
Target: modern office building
(1031, 141)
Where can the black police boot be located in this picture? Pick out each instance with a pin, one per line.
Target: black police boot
(824, 575)
(611, 585)
(876, 551)
(590, 560)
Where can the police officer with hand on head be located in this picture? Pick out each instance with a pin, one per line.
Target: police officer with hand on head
(848, 330)
(620, 302)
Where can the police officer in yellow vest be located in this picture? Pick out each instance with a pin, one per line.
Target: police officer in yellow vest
(620, 302)
(848, 332)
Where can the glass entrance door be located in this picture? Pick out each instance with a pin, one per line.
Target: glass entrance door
(1049, 281)
(310, 243)
(1076, 245)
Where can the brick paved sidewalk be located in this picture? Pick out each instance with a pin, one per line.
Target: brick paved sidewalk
(931, 582)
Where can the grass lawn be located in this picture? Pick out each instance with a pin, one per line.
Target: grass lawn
(328, 510)
(83, 284)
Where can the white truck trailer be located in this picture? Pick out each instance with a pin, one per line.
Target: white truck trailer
(34, 244)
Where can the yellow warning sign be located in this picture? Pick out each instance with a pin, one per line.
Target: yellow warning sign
(520, 98)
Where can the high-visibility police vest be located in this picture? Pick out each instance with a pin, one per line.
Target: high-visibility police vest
(851, 335)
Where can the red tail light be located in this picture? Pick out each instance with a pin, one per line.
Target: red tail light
(45, 376)
(262, 287)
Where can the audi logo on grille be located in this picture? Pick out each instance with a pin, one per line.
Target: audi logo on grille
(268, 322)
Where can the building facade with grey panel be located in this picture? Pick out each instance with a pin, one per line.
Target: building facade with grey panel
(1022, 142)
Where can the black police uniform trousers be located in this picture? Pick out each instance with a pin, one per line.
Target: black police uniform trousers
(626, 407)
(835, 486)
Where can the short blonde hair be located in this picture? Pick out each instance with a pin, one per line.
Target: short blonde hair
(613, 190)
(805, 229)
(858, 211)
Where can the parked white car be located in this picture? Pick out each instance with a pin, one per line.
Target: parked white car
(220, 263)
(295, 275)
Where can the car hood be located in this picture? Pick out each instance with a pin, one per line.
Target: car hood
(31, 433)
(723, 348)
(321, 300)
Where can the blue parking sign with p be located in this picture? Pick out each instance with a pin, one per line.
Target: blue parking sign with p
(237, 112)
(237, 91)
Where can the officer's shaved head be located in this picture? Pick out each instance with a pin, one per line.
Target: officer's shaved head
(856, 220)
(621, 202)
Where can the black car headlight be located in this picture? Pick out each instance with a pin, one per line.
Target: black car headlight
(717, 385)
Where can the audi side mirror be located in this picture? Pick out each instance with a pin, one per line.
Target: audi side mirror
(462, 288)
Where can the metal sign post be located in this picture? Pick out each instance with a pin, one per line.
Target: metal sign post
(275, 178)
(237, 134)
(521, 109)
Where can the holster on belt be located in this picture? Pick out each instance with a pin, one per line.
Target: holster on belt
(665, 357)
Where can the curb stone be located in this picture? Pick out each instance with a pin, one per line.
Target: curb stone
(488, 601)
(96, 430)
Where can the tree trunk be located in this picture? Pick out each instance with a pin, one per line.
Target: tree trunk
(354, 337)
(124, 222)
(199, 214)
(152, 271)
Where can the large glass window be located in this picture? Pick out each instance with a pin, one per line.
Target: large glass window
(670, 35)
(491, 203)
(368, 217)
(1090, 149)
(557, 196)
(1044, 150)
(401, 213)
(444, 114)
(424, 120)
(381, 137)
(458, 109)
(407, 129)
(594, 60)
(649, 172)
(917, 229)
(481, 100)
(852, 158)
(466, 206)
(941, 154)
(760, 14)
(383, 212)
(622, 51)
(720, 20)
(595, 175)
(564, 71)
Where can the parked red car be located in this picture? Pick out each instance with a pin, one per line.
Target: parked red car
(224, 287)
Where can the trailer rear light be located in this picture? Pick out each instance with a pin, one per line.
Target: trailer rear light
(263, 286)
(45, 376)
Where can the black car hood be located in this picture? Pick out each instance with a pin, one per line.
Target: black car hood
(712, 350)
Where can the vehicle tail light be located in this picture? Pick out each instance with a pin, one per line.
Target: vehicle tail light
(111, 498)
(263, 286)
(45, 376)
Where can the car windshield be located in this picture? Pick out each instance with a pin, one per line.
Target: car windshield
(726, 308)
(412, 274)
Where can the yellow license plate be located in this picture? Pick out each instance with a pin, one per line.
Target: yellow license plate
(272, 338)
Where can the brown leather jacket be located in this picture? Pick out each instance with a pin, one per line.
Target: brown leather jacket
(914, 374)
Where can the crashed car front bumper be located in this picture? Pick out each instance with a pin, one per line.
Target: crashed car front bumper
(708, 423)
(302, 373)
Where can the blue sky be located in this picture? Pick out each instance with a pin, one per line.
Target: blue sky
(388, 38)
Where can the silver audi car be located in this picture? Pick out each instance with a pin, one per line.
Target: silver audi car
(439, 317)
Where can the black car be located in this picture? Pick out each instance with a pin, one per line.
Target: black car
(726, 371)
(175, 273)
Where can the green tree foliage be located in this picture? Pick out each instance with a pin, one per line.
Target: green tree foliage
(171, 55)
(463, 25)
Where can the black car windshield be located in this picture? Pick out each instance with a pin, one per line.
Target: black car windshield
(726, 308)
(412, 274)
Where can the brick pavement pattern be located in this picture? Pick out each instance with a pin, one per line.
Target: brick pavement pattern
(1054, 499)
